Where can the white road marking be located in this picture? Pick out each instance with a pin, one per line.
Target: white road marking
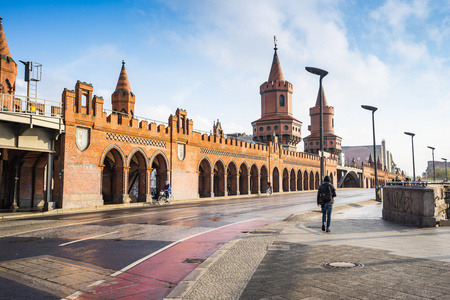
(89, 238)
(73, 296)
(98, 282)
(171, 245)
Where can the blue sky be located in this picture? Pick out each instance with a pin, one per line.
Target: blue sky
(210, 57)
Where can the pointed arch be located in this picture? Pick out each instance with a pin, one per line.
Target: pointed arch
(299, 180)
(163, 155)
(204, 177)
(285, 180)
(137, 175)
(264, 178)
(254, 174)
(112, 162)
(142, 152)
(110, 147)
(232, 178)
(292, 181)
(219, 178)
(243, 179)
(276, 180)
(305, 181)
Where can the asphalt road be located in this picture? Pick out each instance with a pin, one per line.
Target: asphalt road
(114, 239)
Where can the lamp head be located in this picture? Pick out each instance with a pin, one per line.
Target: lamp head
(317, 71)
(432, 148)
(368, 107)
(410, 133)
(444, 159)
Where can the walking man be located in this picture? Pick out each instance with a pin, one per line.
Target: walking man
(325, 198)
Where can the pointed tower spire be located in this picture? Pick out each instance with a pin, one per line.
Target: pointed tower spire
(8, 67)
(123, 98)
(275, 72)
(276, 110)
(123, 85)
(4, 49)
(324, 99)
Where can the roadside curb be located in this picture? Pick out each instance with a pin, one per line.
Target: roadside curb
(208, 281)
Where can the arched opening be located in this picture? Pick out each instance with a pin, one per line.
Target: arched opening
(305, 181)
(243, 180)
(285, 180)
(159, 164)
(311, 180)
(276, 180)
(292, 184)
(137, 178)
(264, 179)
(204, 179)
(112, 179)
(300, 181)
(317, 181)
(331, 178)
(254, 180)
(232, 179)
(350, 180)
(219, 179)
(281, 100)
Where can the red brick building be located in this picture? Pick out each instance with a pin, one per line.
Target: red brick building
(103, 157)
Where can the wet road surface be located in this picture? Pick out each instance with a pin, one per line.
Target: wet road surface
(115, 239)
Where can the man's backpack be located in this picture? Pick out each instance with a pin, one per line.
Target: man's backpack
(327, 193)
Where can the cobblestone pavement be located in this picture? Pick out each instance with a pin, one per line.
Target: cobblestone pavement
(363, 257)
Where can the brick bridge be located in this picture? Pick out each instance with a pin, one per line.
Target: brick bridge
(104, 158)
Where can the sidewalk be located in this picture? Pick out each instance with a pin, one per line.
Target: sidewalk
(363, 257)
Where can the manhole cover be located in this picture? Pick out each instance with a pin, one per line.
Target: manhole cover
(193, 260)
(342, 265)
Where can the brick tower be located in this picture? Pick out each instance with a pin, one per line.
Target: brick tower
(276, 110)
(8, 67)
(123, 99)
(331, 142)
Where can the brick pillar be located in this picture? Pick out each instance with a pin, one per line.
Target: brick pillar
(259, 184)
(148, 190)
(211, 184)
(126, 196)
(238, 184)
(226, 183)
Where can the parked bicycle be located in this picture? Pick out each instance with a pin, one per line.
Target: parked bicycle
(162, 199)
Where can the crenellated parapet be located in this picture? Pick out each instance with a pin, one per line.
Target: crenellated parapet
(270, 86)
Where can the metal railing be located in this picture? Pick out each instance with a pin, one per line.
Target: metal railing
(28, 105)
(110, 111)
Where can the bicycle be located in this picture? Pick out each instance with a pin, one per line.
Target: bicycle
(269, 191)
(162, 199)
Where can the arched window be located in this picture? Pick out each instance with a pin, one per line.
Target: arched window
(281, 100)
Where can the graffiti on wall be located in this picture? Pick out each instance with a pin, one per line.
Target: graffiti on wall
(399, 200)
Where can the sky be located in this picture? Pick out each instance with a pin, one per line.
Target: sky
(210, 57)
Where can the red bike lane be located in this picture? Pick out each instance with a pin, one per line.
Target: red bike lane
(156, 276)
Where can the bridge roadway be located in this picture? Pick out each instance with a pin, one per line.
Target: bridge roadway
(72, 254)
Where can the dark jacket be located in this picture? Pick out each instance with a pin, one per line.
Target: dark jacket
(320, 191)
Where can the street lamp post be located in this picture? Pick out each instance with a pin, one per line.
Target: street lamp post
(373, 110)
(432, 152)
(322, 74)
(444, 159)
(412, 142)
